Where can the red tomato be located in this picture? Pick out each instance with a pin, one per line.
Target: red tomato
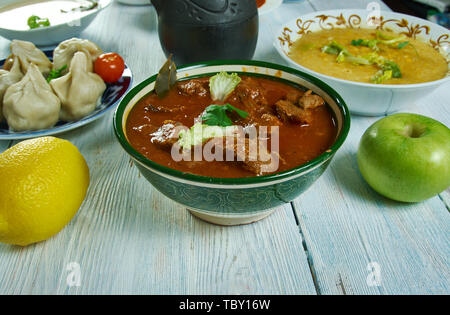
(109, 66)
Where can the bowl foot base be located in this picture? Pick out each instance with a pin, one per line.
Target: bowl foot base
(229, 220)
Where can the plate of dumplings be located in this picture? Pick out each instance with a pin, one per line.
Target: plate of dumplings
(46, 93)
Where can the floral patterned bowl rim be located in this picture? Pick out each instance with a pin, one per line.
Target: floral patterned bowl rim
(437, 36)
(247, 67)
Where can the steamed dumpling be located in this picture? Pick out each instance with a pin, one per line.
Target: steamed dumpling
(65, 51)
(79, 90)
(28, 54)
(30, 104)
(7, 78)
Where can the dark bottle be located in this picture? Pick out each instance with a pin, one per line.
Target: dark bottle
(202, 30)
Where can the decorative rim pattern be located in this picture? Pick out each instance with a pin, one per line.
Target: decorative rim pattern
(229, 182)
(409, 29)
(353, 18)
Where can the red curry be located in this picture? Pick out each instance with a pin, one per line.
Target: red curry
(306, 124)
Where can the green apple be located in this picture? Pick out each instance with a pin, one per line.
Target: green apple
(406, 157)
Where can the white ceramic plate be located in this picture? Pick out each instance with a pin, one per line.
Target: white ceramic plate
(64, 28)
(111, 97)
(269, 6)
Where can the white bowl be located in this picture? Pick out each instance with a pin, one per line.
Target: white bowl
(53, 34)
(366, 98)
(269, 6)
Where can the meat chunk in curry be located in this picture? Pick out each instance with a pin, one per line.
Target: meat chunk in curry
(287, 111)
(167, 135)
(193, 87)
(259, 161)
(251, 95)
(309, 100)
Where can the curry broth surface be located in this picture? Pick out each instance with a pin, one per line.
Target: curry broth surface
(298, 143)
(418, 61)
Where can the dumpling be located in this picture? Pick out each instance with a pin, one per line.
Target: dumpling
(27, 54)
(30, 104)
(7, 78)
(79, 90)
(65, 51)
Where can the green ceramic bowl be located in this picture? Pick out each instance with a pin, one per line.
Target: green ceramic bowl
(231, 201)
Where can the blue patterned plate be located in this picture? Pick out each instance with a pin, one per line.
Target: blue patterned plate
(111, 97)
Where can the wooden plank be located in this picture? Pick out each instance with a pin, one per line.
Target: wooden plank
(147, 244)
(128, 238)
(347, 225)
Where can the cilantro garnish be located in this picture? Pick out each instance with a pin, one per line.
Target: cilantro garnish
(216, 115)
(54, 74)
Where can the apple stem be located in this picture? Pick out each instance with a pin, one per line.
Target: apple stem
(413, 131)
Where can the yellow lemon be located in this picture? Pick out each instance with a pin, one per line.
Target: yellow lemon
(43, 182)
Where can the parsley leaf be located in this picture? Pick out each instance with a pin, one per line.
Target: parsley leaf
(216, 115)
(357, 42)
(54, 74)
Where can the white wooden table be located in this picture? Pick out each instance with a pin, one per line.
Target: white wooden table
(128, 238)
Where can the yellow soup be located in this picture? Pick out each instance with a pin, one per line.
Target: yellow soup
(418, 62)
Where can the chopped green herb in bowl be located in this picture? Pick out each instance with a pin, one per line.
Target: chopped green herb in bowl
(35, 21)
